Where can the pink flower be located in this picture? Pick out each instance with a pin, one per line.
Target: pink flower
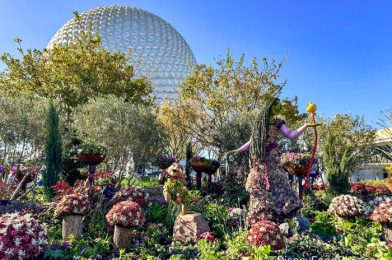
(266, 232)
(126, 214)
(73, 204)
(25, 242)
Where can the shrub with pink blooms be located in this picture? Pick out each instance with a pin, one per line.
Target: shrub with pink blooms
(135, 194)
(73, 204)
(382, 212)
(126, 214)
(21, 237)
(266, 232)
(347, 206)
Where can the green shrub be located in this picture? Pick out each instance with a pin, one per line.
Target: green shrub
(217, 216)
(323, 225)
(156, 212)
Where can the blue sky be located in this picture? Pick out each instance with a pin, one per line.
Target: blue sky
(338, 52)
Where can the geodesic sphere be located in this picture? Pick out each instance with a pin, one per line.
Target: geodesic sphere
(158, 50)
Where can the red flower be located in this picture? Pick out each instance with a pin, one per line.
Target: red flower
(382, 213)
(126, 214)
(266, 232)
(73, 204)
(135, 194)
(21, 237)
(207, 235)
(357, 187)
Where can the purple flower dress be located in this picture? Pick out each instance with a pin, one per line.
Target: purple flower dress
(271, 196)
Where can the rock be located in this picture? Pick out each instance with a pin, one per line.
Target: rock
(304, 223)
(155, 194)
(189, 226)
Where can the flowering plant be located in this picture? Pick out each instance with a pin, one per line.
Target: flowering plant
(318, 186)
(265, 232)
(366, 189)
(103, 178)
(382, 213)
(21, 237)
(126, 214)
(93, 148)
(207, 235)
(135, 194)
(347, 206)
(62, 188)
(295, 158)
(164, 161)
(388, 168)
(73, 204)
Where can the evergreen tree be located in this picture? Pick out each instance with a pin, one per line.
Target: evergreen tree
(188, 168)
(53, 150)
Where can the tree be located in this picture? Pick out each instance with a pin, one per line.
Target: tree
(72, 74)
(385, 149)
(177, 136)
(53, 150)
(211, 98)
(345, 142)
(131, 133)
(22, 129)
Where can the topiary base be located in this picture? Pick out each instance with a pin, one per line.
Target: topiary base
(72, 225)
(122, 238)
(190, 226)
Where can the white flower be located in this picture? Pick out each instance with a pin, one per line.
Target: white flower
(21, 253)
(30, 231)
(262, 229)
(9, 251)
(34, 242)
(17, 241)
(42, 241)
(17, 226)
(3, 231)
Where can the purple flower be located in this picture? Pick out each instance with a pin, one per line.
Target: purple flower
(56, 246)
(66, 244)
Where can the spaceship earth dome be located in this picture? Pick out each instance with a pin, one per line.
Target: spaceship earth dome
(158, 50)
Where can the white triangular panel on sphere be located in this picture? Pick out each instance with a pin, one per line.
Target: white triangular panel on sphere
(158, 49)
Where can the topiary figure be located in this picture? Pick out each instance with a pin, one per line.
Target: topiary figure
(266, 232)
(135, 194)
(21, 237)
(347, 206)
(175, 189)
(124, 215)
(72, 208)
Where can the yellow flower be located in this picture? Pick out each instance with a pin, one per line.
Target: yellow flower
(311, 108)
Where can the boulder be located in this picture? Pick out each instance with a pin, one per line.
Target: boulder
(155, 194)
(189, 226)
